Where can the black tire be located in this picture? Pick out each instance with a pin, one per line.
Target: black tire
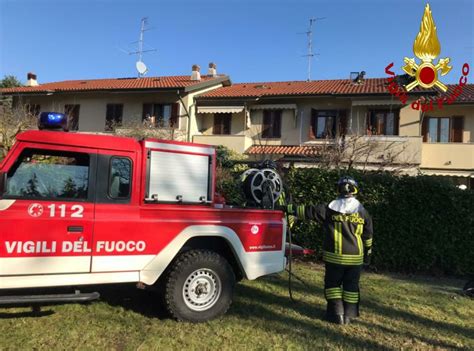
(214, 271)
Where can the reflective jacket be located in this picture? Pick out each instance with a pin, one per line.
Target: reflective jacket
(347, 229)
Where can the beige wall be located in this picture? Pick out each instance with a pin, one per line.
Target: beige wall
(409, 121)
(238, 143)
(453, 156)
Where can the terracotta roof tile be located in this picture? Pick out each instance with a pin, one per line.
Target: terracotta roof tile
(112, 84)
(293, 150)
(317, 87)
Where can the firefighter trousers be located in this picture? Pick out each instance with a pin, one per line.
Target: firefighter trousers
(341, 289)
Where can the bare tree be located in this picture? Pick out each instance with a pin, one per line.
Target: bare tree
(140, 130)
(13, 120)
(366, 153)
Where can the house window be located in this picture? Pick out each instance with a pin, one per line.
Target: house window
(271, 124)
(33, 109)
(443, 129)
(72, 113)
(161, 115)
(382, 122)
(323, 124)
(222, 123)
(113, 116)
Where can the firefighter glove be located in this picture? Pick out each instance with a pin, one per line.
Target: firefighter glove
(367, 256)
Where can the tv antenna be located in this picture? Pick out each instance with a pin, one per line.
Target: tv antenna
(309, 35)
(140, 65)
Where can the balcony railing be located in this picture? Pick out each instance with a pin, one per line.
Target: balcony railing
(238, 143)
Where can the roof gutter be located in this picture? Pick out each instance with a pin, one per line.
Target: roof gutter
(224, 80)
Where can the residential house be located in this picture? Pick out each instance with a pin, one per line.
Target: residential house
(100, 105)
(296, 120)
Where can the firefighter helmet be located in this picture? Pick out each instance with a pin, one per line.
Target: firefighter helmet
(347, 186)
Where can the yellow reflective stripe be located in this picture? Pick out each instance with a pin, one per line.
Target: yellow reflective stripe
(350, 296)
(291, 221)
(342, 259)
(358, 234)
(333, 293)
(290, 208)
(300, 211)
(368, 243)
(338, 238)
(337, 289)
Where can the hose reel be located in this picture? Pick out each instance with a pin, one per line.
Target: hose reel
(262, 187)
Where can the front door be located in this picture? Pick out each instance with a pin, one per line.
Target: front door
(47, 211)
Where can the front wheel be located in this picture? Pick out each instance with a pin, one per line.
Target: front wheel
(199, 286)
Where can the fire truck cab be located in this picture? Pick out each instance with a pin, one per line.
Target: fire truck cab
(85, 209)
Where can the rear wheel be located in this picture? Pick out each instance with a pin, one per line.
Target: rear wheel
(199, 286)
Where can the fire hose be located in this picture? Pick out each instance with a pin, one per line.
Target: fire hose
(262, 188)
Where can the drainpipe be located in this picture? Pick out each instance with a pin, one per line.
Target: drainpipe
(188, 133)
(301, 125)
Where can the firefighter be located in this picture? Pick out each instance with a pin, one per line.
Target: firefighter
(347, 246)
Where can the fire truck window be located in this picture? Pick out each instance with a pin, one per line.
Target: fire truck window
(45, 174)
(120, 176)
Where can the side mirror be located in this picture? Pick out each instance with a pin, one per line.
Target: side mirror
(3, 182)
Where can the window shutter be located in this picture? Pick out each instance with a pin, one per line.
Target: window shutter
(368, 125)
(174, 119)
(342, 122)
(424, 129)
(266, 125)
(396, 122)
(147, 110)
(217, 127)
(277, 124)
(313, 124)
(226, 123)
(457, 125)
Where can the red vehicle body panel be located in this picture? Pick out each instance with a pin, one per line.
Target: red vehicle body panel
(112, 232)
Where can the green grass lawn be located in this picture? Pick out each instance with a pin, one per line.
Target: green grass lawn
(397, 312)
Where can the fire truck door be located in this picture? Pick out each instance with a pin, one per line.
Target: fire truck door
(47, 211)
(119, 244)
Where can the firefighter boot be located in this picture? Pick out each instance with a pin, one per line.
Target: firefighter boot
(335, 311)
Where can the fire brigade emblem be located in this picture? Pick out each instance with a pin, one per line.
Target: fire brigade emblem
(427, 47)
(35, 210)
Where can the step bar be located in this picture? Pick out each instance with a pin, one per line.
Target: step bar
(53, 298)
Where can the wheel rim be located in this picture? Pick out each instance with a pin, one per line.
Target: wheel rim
(202, 289)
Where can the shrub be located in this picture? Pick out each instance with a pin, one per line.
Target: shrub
(421, 224)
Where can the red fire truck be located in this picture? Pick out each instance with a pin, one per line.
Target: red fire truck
(85, 209)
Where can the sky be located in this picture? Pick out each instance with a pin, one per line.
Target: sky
(252, 41)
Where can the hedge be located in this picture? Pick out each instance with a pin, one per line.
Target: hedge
(421, 224)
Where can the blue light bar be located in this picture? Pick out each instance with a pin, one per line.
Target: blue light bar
(52, 120)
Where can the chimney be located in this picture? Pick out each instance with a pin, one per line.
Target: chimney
(31, 80)
(196, 75)
(212, 70)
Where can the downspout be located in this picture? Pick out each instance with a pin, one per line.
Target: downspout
(188, 133)
(301, 125)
